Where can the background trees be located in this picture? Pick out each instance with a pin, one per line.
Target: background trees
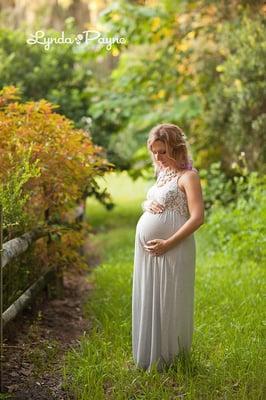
(199, 64)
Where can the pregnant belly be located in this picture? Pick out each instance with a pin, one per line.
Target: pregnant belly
(158, 226)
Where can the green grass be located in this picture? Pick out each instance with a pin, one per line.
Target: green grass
(226, 360)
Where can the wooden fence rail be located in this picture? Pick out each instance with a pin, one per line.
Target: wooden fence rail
(26, 298)
(17, 246)
(8, 251)
(11, 250)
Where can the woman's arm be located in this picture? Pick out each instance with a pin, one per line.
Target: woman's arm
(191, 184)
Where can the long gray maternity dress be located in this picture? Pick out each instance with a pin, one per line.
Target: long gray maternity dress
(163, 286)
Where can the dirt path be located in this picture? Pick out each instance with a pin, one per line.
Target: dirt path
(36, 342)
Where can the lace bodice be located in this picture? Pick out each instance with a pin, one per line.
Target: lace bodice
(171, 196)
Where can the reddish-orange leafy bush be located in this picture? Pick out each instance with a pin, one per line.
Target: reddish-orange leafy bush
(67, 158)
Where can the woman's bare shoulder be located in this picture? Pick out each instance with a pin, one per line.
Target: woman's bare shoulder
(190, 174)
(189, 177)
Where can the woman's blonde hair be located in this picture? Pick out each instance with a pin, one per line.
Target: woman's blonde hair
(175, 142)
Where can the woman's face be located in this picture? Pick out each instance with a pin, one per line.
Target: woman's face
(158, 149)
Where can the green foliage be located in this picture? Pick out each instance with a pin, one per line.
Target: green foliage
(237, 115)
(13, 195)
(59, 74)
(143, 88)
(239, 228)
(221, 190)
(217, 188)
(198, 66)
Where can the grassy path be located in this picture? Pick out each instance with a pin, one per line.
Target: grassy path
(227, 359)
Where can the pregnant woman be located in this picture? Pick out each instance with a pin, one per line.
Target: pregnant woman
(165, 252)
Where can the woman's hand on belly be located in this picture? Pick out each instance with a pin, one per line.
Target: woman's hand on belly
(157, 247)
(153, 206)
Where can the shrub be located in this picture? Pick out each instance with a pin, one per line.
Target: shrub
(67, 160)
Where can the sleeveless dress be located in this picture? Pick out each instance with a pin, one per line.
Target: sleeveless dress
(163, 286)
